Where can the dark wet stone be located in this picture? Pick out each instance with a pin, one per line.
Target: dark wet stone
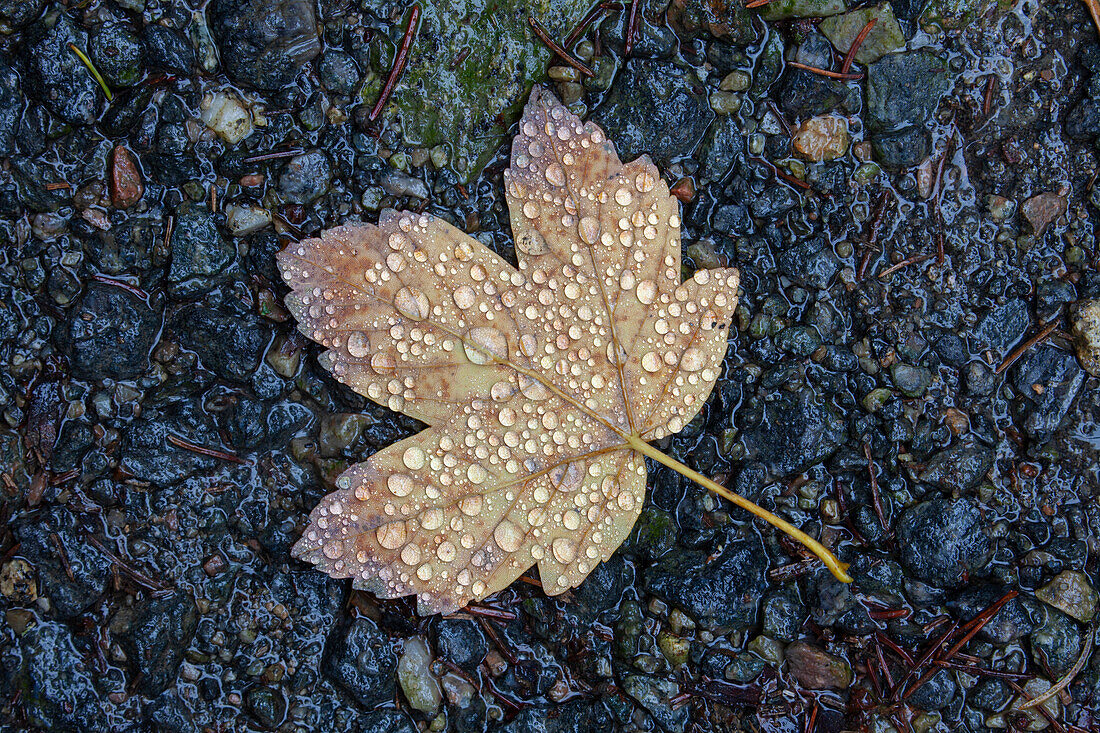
(265, 44)
(360, 660)
(267, 705)
(803, 94)
(20, 12)
(11, 107)
(90, 569)
(603, 588)
(721, 148)
(1056, 644)
(979, 379)
(732, 219)
(147, 454)
(119, 54)
(385, 721)
(111, 334)
(166, 49)
(989, 694)
(57, 77)
(655, 695)
(461, 641)
(339, 72)
(901, 148)
(1016, 619)
(773, 202)
(170, 714)
(721, 591)
(126, 110)
(654, 109)
(1083, 120)
(725, 21)
(155, 634)
(796, 431)
(1003, 326)
(255, 424)
(572, 717)
(1059, 377)
(943, 541)
(1051, 296)
(816, 669)
(228, 339)
(811, 262)
(958, 468)
(784, 614)
(199, 253)
(75, 439)
(306, 177)
(798, 341)
(58, 690)
(911, 381)
(936, 693)
(905, 88)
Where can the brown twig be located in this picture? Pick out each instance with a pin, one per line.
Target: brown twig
(504, 647)
(1067, 678)
(203, 450)
(928, 654)
(1054, 722)
(399, 62)
(825, 72)
(937, 212)
(914, 259)
(972, 628)
(558, 50)
(893, 646)
(587, 20)
(139, 577)
(851, 55)
(488, 612)
(872, 234)
(981, 671)
(274, 155)
(121, 284)
(631, 27)
(757, 4)
(62, 555)
(876, 499)
(987, 103)
(1019, 351)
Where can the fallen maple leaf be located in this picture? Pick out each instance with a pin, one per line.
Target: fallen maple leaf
(541, 385)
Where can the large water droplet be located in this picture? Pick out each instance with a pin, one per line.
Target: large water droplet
(414, 458)
(508, 536)
(693, 360)
(647, 292)
(589, 229)
(471, 505)
(555, 175)
(532, 389)
(483, 344)
(651, 361)
(381, 362)
(391, 535)
(358, 345)
(410, 554)
(465, 297)
(399, 484)
(412, 303)
(564, 550)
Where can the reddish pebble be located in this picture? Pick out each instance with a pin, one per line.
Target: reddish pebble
(252, 179)
(684, 190)
(214, 565)
(126, 185)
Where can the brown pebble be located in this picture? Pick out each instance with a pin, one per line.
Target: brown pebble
(214, 565)
(1043, 209)
(125, 179)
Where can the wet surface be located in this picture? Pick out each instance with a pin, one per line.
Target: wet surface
(911, 373)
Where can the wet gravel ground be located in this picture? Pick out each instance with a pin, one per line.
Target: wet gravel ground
(909, 379)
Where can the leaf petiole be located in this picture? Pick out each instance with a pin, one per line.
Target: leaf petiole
(836, 567)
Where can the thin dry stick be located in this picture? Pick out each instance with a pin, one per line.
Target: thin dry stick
(851, 55)
(399, 62)
(914, 259)
(1068, 677)
(1023, 348)
(825, 72)
(631, 27)
(558, 50)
